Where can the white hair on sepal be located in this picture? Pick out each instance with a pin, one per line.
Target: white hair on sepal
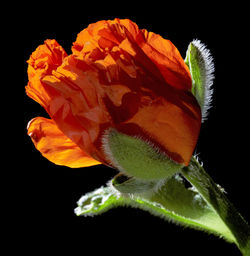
(197, 158)
(207, 76)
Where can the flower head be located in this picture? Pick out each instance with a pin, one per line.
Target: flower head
(118, 77)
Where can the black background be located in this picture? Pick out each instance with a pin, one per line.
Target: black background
(49, 192)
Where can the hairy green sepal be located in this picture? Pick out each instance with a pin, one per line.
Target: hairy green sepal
(196, 66)
(138, 158)
(200, 63)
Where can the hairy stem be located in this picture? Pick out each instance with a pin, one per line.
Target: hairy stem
(215, 197)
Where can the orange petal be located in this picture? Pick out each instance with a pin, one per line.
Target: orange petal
(78, 112)
(86, 36)
(174, 128)
(168, 60)
(156, 54)
(55, 146)
(163, 54)
(42, 62)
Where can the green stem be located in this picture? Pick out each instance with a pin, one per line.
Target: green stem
(215, 197)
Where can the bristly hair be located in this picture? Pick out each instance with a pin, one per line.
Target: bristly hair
(207, 76)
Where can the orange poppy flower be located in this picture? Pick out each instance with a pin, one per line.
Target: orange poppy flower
(118, 76)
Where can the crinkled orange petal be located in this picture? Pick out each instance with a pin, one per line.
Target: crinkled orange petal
(168, 59)
(46, 58)
(79, 111)
(55, 146)
(126, 34)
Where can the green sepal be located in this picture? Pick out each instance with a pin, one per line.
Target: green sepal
(137, 157)
(200, 63)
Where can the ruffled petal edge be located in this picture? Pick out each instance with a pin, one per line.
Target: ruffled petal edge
(55, 146)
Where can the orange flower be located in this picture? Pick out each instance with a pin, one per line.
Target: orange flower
(117, 76)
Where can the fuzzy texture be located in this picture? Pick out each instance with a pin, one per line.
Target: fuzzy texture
(207, 71)
(108, 153)
(137, 157)
(106, 198)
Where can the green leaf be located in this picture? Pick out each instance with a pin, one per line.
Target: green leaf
(98, 201)
(170, 200)
(200, 63)
(189, 198)
(174, 201)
